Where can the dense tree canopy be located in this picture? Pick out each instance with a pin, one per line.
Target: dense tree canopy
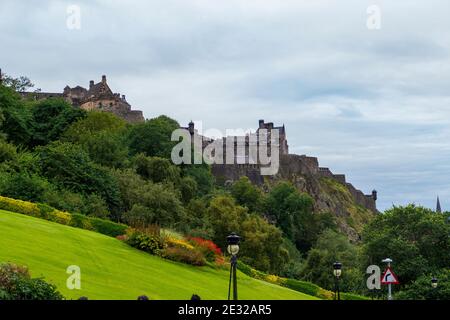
(153, 137)
(417, 239)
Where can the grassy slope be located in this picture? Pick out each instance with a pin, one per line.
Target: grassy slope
(112, 270)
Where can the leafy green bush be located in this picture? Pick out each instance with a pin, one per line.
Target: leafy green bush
(80, 221)
(16, 284)
(76, 220)
(302, 286)
(150, 243)
(24, 186)
(352, 296)
(184, 255)
(107, 227)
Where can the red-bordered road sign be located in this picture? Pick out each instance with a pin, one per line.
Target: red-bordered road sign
(389, 277)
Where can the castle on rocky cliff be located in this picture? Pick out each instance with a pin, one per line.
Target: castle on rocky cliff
(99, 97)
(291, 165)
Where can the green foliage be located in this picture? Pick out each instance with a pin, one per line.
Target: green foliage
(331, 247)
(247, 195)
(262, 243)
(202, 176)
(24, 186)
(197, 221)
(8, 152)
(302, 286)
(102, 135)
(188, 189)
(414, 237)
(147, 242)
(293, 213)
(51, 117)
(153, 137)
(16, 284)
(421, 289)
(162, 201)
(16, 116)
(76, 220)
(68, 166)
(157, 169)
(107, 227)
(139, 216)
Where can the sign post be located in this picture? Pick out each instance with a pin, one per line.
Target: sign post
(389, 277)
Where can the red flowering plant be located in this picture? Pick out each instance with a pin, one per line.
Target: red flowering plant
(209, 249)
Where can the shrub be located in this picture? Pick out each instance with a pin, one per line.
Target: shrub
(174, 242)
(208, 248)
(150, 243)
(25, 186)
(16, 284)
(107, 227)
(184, 255)
(80, 221)
(76, 220)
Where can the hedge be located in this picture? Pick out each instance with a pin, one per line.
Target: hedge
(297, 285)
(76, 220)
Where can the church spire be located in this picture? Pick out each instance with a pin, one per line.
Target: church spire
(438, 206)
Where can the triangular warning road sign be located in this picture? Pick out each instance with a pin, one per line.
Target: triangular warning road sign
(389, 277)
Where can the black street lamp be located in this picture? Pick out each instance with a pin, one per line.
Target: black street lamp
(337, 271)
(434, 283)
(233, 249)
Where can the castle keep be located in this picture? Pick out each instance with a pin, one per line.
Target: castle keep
(98, 96)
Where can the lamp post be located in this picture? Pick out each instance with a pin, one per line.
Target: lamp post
(434, 282)
(388, 261)
(337, 271)
(233, 249)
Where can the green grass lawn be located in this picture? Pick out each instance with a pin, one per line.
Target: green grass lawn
(112, 270)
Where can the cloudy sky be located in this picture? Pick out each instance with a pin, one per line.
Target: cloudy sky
(371, 103)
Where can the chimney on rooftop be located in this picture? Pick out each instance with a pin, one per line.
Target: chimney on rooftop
(123, 97)
(91, 84)
(104, 79)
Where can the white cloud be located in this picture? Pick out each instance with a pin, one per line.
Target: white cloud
(372, 104)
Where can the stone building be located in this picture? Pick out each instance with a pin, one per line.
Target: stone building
(98, 96)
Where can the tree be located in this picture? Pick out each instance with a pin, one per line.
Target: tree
(102, 135)
(421, 289)
(24, 186)
(157, 169)
(293, 213)
(330, 247)
(161, 201)
(16, 117)
(414, 237)
(50, 118)
(68, 166)
(20, 84)
(261, 244)
(247, 195)
(153, 137)
(201, 173)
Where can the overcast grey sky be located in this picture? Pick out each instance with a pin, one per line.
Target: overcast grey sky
(373, 104)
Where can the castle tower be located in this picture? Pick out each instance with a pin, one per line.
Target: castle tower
(191, 127)
(375, 195)
(438, 206)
